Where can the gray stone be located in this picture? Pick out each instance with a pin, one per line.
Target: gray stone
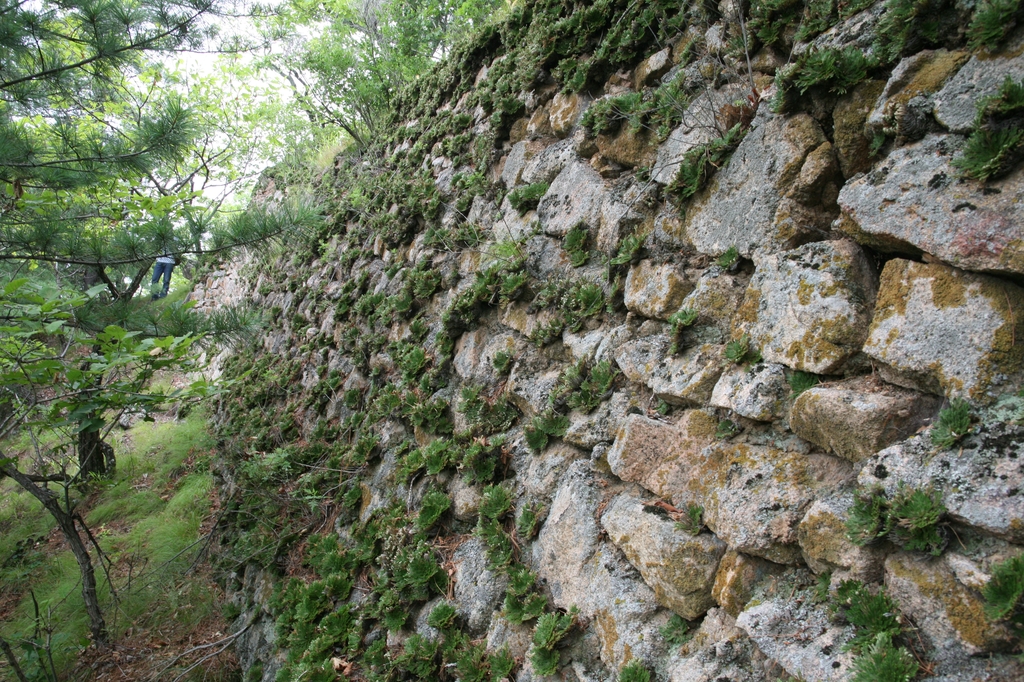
(800, 636)
(686, 379)
(914, 202)
(719, 651)
(949, 615)
(956, 104)
(979, 480)
(700, 126)
(475, 351)
(737, 578)
(753, 496)
(809, 308)
(542, 473)
(575, 196)
(582, 570)
(758, 392)
(826, 547)
(654, 67)
(655, 453)
(478, 590)
(623, 210)
(655, 290)
(743, 205)
(716, 297)
(547, 164)
(903, 109)
(855, 419)
(565, 111)
(949, 332)
(680, 568)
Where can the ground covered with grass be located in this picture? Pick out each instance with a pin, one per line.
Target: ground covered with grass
(152, 521)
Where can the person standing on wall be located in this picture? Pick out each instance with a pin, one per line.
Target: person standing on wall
(164, 266)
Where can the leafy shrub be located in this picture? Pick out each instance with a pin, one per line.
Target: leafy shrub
(992, 21)
(693, 522)
(828, 69)
(870, 614)
(594, 388)
(442, 617)
(543, 428)
(739, 351)
(730, 256)
(575, 244)
(800, 382)
(883, 661)
(907, 24)
(700, 163)
(524, 199)
(726, 429)
(502, 362)
(676, 631)
(680, 320)
(911, 519)
(954, 423)
(435, 504)
(1003, 593)
(522, 602)
(551, 629)
(634, 671)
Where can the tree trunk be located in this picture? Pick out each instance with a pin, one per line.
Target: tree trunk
(97, 625)
(91, 459)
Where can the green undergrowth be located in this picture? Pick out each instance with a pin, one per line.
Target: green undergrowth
(996, 145)
(912, 518)
(878, 634)
(148, 518)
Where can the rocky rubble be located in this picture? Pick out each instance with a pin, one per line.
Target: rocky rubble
(891, 279)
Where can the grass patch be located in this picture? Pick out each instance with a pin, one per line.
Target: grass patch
(148, 521)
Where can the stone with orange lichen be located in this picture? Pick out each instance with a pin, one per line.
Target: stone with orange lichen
(680, 568)
(855, 419)
(809, 308)
(949, 615)
(949, 332)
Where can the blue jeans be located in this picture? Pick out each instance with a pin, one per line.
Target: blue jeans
(164, 269)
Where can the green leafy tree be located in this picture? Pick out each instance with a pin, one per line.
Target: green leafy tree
(104, 160)
(345, 60)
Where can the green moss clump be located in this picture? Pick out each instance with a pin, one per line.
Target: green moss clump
(524, 199)
(996, 144)
(992, 22)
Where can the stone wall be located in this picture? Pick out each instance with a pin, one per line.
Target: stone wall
(882, 285)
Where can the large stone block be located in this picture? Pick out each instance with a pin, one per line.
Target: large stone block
(700, 126)
(583, 571)
(809, 308)
(753, 496)
(949, 615)
(758, 392)
(956, 105)
(680, 568)
(654, 453)
(857, 418)
(748, 203)
(915, 201)
(979, 481)
(949, 332)
(800, 636)
(574, 196)
(825, 546)
(655, 290)
(478, 589)
(686, 379)
(904, 106)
